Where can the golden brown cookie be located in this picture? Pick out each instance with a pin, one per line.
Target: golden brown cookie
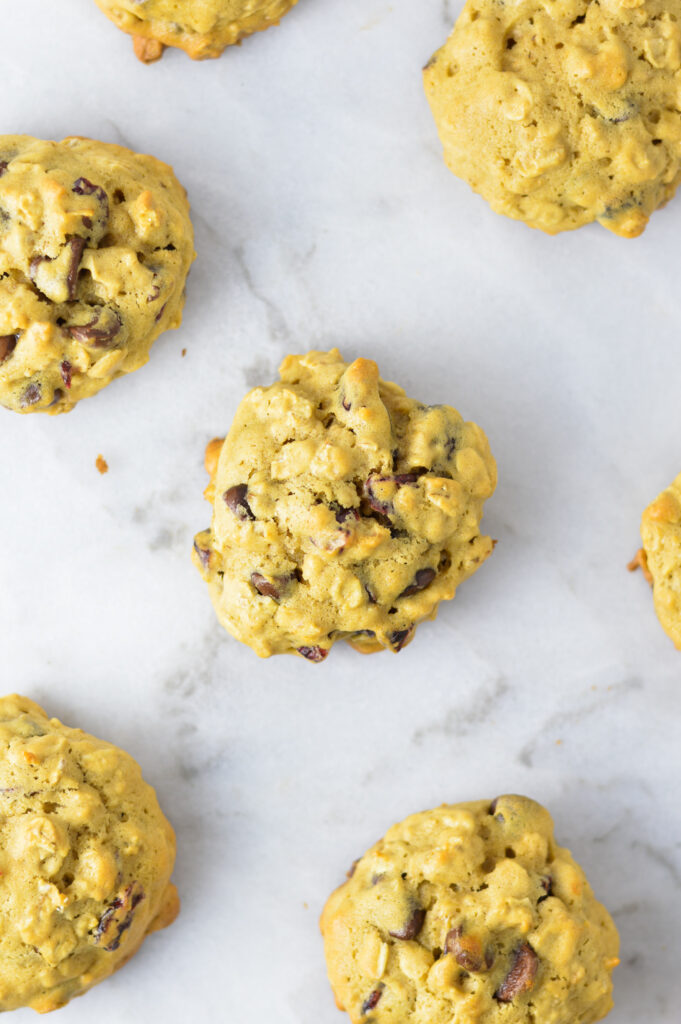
(342, 509)
(564, 113)
(202, 28)
(661, 534)
(85, 859)
(472, 914)
(95, 248)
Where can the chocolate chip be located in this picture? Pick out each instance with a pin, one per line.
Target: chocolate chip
(371, 1000)
(370, 595)
(84, 187)
(3, 167)
(66, 371)
(346, 513)
(399, 637)
(8, 342)
(316, 654)
(493, 811)
(266, 587)
(160, 313)
(56, 397)
(399, 479)
(235, 499)
(346, 405)
(547, 886)
(466, 950)
(31, 395)
(87, 222)
(204, 555)
(77, 245)
(422, 579)
(118, 917)
(364, 632)
(520, 978)
(353, 867)
(450, 446)
(154, 293)
(412, 927)
(97, 334)
(34, 264)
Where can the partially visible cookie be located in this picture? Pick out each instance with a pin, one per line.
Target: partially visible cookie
(661, 535)
(85, 859)
(203, 28)
(342, 510)
(95, 248)
(564, 113)
(470, 913)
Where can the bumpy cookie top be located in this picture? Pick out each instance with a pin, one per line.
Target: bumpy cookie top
(95, 247)
(85, 859)
(565, 112)
(470, 913)
(342, 509)
(661, 534)
(203, 28)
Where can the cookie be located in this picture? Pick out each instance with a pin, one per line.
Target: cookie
(564, 113)
(341, 510)
(470, 913)
(85, 859)
(202, 28)
(95, 248)
(661, 535)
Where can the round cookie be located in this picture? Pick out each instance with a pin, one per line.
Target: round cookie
(564, 113)
(95, 248)
(202, 28)
(470, 913)
(661, 535)
(85, 859)
(341, 510)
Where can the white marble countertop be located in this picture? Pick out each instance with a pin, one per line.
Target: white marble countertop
(325, 215)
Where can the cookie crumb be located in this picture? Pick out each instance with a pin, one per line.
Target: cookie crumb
(184, 352)
(639, 561)
(101, 464)
(147, 50)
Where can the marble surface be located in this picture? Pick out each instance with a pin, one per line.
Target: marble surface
(324, 216)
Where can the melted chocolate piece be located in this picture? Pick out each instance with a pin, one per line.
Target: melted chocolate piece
(235, 499)
(77, 245)
(412, 926)
(3, 167)
(422, 579)
(95, 336)
(269, 588)
(8, 342)
(399, 479)
(66, 371)
(520, 978)
(204, 555)
(466, 950)
(84, 187)
(31, 396)
(118, 917)
(399, 637)
(371, 1000)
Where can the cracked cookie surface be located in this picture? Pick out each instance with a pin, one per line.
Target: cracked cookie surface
(85, 859)
(470, 913)
(342, 509)
(661, 535)
(202, 28)
(95, 248)
(564, 113)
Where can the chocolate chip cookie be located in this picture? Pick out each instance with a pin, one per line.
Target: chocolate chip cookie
(661, 557)
(470, 913)
(202, 28)
(564, 113)
(85, 859)
(341, 510)
(95, 248)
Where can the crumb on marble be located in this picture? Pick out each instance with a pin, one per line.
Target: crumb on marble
(183, 353)
(101, 464)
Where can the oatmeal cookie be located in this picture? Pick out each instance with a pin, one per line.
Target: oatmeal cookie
(202, 28)
(342, 509)
(85, 859)
(564, 113)
(470, 913)
(95, 248)
(661, 535)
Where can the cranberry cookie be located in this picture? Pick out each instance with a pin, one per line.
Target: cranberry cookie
(85, 859)
(95, 248)
(341, 510)
(470, 913)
